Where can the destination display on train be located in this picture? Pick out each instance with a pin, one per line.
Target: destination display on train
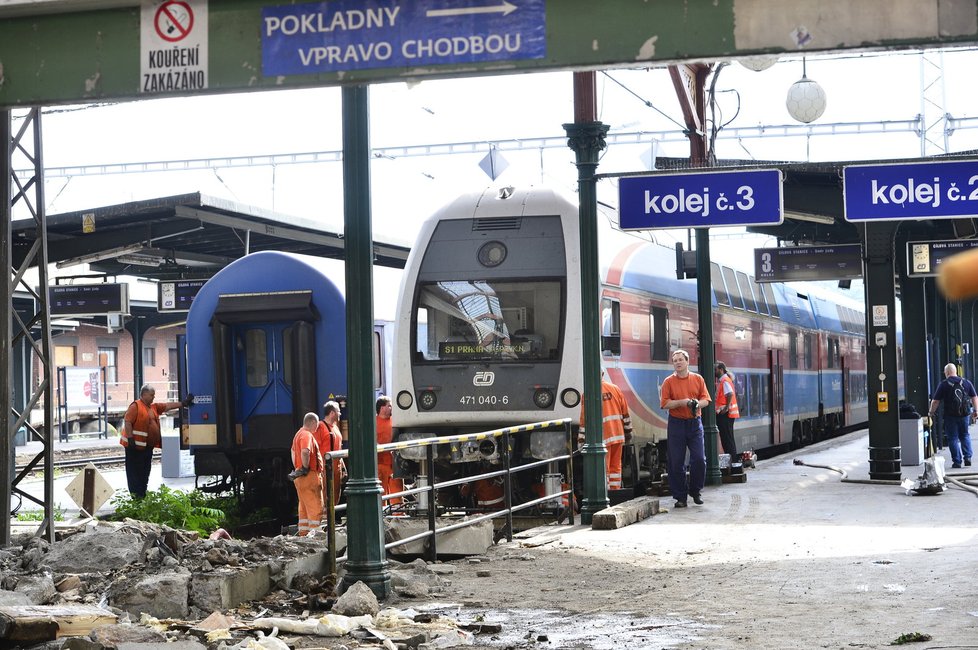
(177, 296)
(88, 299)
(724, 198)
(478, 351)
(924, 258)
(795, 263)
(345, 35)
(924, 190)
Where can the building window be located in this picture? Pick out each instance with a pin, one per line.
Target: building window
(107, 359)
(64, 355)
(149, 357)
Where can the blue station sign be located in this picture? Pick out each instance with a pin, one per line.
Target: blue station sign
(347, 35)
(924, 190)
(732, 198)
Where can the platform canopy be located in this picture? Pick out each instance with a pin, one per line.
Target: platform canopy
(188, 236)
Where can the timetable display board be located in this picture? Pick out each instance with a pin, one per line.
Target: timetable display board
(796, 263)
(88, 299)
(924, 258)
(177, 296)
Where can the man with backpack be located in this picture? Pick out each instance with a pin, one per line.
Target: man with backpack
(960, 408)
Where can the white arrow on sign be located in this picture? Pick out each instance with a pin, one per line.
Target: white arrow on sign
(506, 8)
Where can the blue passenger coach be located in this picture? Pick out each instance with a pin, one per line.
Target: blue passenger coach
(266, 343)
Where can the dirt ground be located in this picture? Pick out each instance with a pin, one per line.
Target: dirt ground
(794, 558)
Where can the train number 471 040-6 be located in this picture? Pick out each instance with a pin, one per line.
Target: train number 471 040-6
(483, 400)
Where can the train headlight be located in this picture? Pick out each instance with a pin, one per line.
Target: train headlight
(543, 398)
(404, 400)
(427, 400)
(570, 398)
(492, 253)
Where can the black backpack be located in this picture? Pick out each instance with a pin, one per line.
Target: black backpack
(958, 404)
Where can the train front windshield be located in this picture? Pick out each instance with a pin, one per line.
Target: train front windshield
(488, 320)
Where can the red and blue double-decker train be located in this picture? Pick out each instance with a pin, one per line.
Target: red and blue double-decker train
(488, 331)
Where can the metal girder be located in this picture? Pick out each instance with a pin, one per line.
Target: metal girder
(35, 329)
(95, 53)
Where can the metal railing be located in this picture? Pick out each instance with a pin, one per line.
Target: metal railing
(430, 489)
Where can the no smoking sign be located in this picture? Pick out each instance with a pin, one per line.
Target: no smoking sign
(174, 21)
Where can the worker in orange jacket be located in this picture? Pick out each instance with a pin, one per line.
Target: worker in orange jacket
(616, 427)
(329, 438)
(727, 409)
(141, 434)
(489, 493)
(307, 475)
(385, 459)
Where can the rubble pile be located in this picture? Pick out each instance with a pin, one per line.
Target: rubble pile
(150, 583)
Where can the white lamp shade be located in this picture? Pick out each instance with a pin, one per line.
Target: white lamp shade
(758, 62)
(806, 100)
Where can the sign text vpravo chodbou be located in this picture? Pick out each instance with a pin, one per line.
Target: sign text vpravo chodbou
(701, 204)
(381, 50)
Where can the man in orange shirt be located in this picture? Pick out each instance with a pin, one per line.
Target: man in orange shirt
(329, 439)
(307, 474)
(141, 434)
(684, 393)
(727, 409)
(616, 429)
(385, 459)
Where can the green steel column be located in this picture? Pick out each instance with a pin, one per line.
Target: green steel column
(586, 137)
(6, 324)
(704, 296)
(367, 559)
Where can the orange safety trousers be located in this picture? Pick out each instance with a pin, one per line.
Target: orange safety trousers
(612, 464)
(310, 491)
(385, 472)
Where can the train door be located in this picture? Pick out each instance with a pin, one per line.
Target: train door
(846, 394)
(263, 371)
(776, 367)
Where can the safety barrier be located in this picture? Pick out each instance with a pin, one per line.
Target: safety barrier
(430, 490)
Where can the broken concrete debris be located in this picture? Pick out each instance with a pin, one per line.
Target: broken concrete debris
(134, 585)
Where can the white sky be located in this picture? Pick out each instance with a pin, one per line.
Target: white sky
(405, 191)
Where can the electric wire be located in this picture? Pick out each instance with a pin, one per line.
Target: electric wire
(645, 101)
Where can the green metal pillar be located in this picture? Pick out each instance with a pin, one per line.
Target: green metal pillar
(704, 296)
(586, 137)
(367, 558)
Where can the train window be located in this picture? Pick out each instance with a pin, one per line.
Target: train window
(809, 351)
(716, 278)
(378, 369)
(256, 358)
(610, 326)
(489, 320)
(736, 298)
(659, 334)
(745, 289)
(792, 349)
(769, 297)
(762, 307)
(832, 353)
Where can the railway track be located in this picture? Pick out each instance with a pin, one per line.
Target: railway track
(102, 460)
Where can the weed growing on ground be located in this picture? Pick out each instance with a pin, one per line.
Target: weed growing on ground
(184, 510)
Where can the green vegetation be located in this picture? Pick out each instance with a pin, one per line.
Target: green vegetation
(183, 510)
(911, 637)
(38, 515)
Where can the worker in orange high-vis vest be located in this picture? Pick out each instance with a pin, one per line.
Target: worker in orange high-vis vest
(307, 475)
(329, 438)
(617, 429)
(727, 410)
(141, 435)
(385, 459)
(489, 493)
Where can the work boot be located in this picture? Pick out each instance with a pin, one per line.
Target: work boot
(680, 504)
(967, 462)
(955, 465)
(696, 498)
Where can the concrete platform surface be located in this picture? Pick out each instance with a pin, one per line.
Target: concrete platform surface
(793, 558)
